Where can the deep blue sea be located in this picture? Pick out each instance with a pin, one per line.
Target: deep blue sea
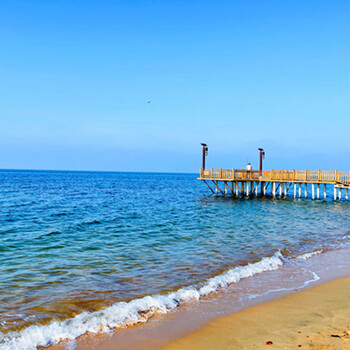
(80, 251)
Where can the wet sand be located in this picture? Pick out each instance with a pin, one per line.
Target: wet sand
(317, 318)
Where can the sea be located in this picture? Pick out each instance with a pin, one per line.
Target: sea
(97, 251)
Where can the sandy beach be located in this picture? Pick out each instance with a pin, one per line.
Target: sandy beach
(317, 318)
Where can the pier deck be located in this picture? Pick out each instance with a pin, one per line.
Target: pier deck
(242, 182)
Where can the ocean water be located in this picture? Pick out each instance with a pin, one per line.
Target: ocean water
(94, 251)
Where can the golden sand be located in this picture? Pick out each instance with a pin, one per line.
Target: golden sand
(317, 318)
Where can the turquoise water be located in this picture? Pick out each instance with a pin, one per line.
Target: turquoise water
(82, 241)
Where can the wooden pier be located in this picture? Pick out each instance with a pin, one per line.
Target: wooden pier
(240, 182)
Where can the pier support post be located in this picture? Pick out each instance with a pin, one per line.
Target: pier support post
(340, 194)
(264, 189)
(256, 188)
(305, 192)
(313, 191)
(318, 191)
(281, 188)
(335, 193)
(236, 189)
(295, 190)
(225, 186)
(299, 189)
(274, 189)
(325, 192)
(347, 194)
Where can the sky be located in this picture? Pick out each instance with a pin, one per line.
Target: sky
(138, 85)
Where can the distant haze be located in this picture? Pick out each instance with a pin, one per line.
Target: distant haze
(137, 85)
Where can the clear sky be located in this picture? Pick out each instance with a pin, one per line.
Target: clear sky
(77, 77)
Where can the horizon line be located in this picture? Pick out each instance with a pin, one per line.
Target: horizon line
(100, 171)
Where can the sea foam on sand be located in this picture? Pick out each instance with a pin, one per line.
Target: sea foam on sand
(124, 314)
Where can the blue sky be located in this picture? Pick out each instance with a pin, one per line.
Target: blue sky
(76, 78)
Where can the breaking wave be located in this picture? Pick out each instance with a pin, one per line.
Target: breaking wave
(123, 314)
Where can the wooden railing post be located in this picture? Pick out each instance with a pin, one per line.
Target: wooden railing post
(335, 175)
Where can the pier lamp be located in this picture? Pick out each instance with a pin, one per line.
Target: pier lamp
(262, 156)
(204, 154)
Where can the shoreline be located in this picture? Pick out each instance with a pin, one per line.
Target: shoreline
(162, 330)
(316, 318)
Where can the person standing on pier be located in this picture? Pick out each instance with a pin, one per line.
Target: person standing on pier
(249, 167)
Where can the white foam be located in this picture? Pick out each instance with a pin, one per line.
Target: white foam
(123, 314)
(309, 255)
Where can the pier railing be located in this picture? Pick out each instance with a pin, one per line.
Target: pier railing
(311, 176)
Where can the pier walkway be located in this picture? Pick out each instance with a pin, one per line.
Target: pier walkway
(239, 182)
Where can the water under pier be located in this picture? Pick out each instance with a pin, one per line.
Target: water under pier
(240, 182)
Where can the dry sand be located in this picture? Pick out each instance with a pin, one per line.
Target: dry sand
(317, 318)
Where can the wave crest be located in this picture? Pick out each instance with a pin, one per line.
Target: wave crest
(309, 255)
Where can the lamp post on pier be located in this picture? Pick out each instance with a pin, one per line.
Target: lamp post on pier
(262, 156)
(204, 154)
